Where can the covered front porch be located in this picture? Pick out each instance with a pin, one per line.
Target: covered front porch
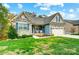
(38, 29)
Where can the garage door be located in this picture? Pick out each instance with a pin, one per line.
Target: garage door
(58, 31)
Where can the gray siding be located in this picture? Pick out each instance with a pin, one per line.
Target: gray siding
(47, 29)
(23, 31)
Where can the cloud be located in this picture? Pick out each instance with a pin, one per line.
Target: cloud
(6, 5)
(44, 8)
(71, 16)
(13, 12)
(64, 10)
(71, 10)
(47, 6)
(77, 9)
(63, 14)
(20, 6)
(62, 5)
(51, 13)
(66, 15)
(38, 4)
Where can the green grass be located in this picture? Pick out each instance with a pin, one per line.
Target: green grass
(48, 46)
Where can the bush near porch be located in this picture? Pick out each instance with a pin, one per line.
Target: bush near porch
(47, 46)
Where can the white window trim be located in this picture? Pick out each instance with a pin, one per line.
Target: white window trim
(23, 25)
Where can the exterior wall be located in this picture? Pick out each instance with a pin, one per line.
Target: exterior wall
(54, 19)
(68, 26)
(57, 25)
(76, 29)
(50, 29)
(57, 30)
(57, 18)
(47, 29)
(21, 19)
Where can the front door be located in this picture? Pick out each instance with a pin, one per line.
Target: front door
(37, 29)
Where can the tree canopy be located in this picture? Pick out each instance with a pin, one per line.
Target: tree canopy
(3, 22)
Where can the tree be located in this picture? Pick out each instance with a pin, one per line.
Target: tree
(3, 22)
(12, 34)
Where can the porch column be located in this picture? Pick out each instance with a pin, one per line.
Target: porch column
(17, 27)
(33, 28)
(42, 29)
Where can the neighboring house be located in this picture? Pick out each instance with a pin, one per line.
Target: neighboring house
(27, 24)
(71, 26)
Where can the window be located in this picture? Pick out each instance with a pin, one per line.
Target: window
(23, 26)
(26, 26)
(57, 19)
(22, 17)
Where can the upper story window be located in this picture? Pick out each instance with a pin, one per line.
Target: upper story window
(58, 19)
(23, 17)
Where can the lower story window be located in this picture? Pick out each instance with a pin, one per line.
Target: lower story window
(22, 26)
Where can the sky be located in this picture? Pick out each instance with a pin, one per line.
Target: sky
(69, 11)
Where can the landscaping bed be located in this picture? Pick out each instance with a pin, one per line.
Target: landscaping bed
(40, 35)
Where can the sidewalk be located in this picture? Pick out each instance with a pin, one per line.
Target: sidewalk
(71, 36)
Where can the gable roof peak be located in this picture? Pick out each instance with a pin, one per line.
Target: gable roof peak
(58, 13)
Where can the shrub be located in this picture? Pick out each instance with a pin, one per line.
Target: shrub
(52, 35)
(75, 34)
(24, 36)
(12, 34)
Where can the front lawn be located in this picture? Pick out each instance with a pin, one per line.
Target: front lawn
(48, 46)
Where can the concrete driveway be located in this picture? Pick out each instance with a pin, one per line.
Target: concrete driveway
(71, 36)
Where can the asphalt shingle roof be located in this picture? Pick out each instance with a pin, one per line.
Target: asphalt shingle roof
(75, 22)
(37, 20)
(40, 20)
(44, 20)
